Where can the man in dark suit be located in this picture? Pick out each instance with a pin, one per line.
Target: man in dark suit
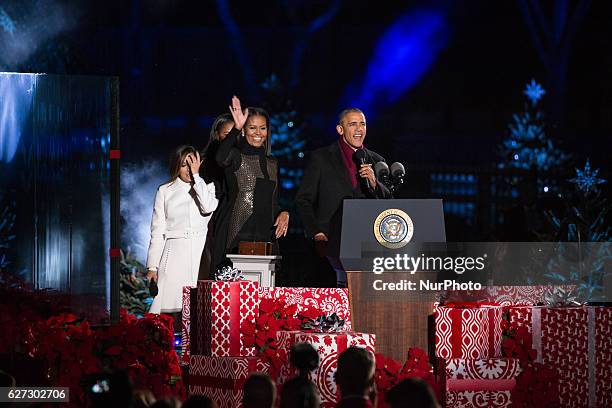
(331, 176)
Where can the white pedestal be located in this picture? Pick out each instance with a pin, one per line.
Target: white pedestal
(258, 268)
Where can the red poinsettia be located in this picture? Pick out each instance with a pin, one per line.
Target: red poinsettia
(67, 351)
(274, 315)
(37, 327)
(518, 344)
(536, 386)
(390, 372)
(143, 348)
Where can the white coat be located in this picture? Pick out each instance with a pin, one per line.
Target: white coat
(178, 234)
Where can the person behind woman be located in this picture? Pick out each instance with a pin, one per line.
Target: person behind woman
(213, 173)
(183, 208)
(250, 211)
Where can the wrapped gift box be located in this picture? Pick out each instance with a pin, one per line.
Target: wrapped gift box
(576, 341)
(185, 324)
(222, 378)
(329, 346)
(478, 382)
(193, 346)
(509, 295)
(222, 307)
(473, 332)
(329, 300)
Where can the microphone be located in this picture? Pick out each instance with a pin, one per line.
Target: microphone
(359, 157)
(397, 170)
(381, 170)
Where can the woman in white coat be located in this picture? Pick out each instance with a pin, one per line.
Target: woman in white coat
(183, 208)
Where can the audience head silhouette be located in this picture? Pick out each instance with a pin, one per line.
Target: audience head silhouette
(411, 393)
(304, 357)
(355, 373)
(199, 401)
(171, 402)
(259, 391)
(299, 392)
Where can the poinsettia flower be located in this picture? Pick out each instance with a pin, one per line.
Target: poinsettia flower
(290, 310)
(266, 305)
(293, 323)
(310, 313)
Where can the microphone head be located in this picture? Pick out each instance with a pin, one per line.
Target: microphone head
(381, 169)
(397, 170)
(359, 156)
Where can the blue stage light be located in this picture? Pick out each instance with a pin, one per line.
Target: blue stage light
(16, 93)
(404, 53)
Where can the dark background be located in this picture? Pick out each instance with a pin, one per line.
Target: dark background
(178, 69)
(178, 66)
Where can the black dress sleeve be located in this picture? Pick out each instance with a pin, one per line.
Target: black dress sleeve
(228, 154)
(276, 208)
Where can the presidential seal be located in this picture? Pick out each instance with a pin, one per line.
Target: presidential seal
(393, 228)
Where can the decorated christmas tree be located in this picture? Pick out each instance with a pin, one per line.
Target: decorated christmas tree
(586, 209)
(584, 221)
(528, 146)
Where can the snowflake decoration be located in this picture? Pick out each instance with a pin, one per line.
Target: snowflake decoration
(587, 179)
(534, 91)
(6, 22)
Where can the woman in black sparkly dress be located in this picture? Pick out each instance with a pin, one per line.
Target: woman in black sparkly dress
(250, 211)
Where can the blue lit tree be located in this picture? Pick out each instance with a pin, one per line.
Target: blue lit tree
(584, 220)
(288, 142)
(527, 146)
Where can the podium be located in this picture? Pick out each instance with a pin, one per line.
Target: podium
(372, 228)
(258, 268)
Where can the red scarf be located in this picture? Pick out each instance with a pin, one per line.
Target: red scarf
(347, 157)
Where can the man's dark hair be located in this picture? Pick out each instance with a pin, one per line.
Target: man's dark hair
(259, 391)
(347, 111)
(411, 393)
(355, 373)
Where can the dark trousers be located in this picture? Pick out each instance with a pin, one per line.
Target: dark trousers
(328, 271)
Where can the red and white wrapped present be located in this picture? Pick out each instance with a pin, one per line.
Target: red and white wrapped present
(222, 378)
(527, 295)
(222, 307)
(329, 300)
(478, 382)
(193, 346)
(185, 324)
(468, 332)
(329, 346)
(576, 342)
